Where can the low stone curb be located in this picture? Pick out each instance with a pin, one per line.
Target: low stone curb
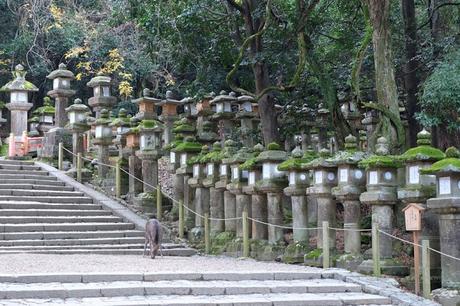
(98, 197)
(387, 287)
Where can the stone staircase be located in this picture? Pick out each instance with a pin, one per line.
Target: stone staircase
(41, 214)
(208, 288)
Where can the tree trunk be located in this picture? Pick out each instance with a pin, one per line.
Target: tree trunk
(268, 115)
(411, 80)
(379, 11)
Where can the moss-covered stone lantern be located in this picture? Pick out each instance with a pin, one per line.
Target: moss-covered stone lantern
(61, 92)
(184, 127)
(420, 187)
(224, 112)
(272, 183)
(122, 125)
(247, 116)
(381, 194)
(19, 104)
(45, 115)
(446, 205)
(147, 106)
(207, 135)
(228, 151)
(322, 122)
(77, 124)
(298, 183)
(169, 115)
(33, 125)
(239, 178)
(101, 98)
(324, 178)
(258, 199)
(351, 183)
(190, 110)
(102, 139)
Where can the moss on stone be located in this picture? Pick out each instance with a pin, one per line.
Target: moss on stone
(249, 164)
(273, 146)
(424, 153)
(188, 146)
(314, 254)
(293, 164)
(184, 128)
(380, 161)
(447, 164)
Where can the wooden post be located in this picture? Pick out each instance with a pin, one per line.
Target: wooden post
(60, 156)
(181, 219)
(326, 259)
(376, 249)
(416, 263)
(118, 178)
(245, 234)
(426, 277)
(79, 165)
(207, 234)
(159, 202)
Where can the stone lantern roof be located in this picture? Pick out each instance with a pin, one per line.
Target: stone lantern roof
(241, 156)
(99, 80)
(323, 161)
(223, 96)
(198, 159)
(146, 98)
(381, 159)
(351, 155)
(447, 165)
(294, 163)
(273, 153)
(170, 100)
(47, 108)
(19, 83)
(213, 156)
(122, 119)
(78, 106)
(251, 163)
(229, 150)
(424, 151)
(188, 145)
(61, 72)
(104, 119)
(183, 126)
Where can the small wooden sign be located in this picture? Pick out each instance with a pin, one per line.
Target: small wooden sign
(413, 216)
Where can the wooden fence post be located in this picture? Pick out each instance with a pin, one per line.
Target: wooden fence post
(245, 234)
(376, 249)
(118, 179)
(159, 203)
(207, 234)
(426, 277)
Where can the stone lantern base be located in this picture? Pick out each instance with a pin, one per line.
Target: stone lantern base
(51, 141)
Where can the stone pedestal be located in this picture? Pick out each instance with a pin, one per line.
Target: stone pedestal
(274, 216)
(189, 195)
(326, 212)
(217, 210)
(202, 197)
(230, 211)
(259, 212)
(299, 218)
(312, 213)
(352, 216)
(243, 203)
(103, 159)
(135, 171)
(77, 145)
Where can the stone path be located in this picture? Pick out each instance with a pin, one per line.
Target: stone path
(198, 280)
(42, 213)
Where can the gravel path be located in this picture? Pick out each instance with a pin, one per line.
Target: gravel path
(42, 263)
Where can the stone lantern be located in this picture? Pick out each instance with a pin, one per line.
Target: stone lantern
(185, 151)
(323, 179)
(247, 116)
(147, 106)
(149, 152)
(122, 125)
(212, 161)
(322, 122)
(61, 92)
(19, 104)
(446, 205)
(134, 163)
(77, 124)
(298, 183)
(370, 122)
(420, 187)
(224, 179)
(351, 113)
(190, 110)
(45, 115)
(168, 115)
(102, 139)
(207, 135)
(351, 183)
(33, 127)
(272, 183)
(239, 179)
(223, 112)
(101, 98)
(258, 199)
(381, 194)
(202, 195)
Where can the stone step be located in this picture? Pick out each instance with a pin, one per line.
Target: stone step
(22, 172)
(6, 177)
(62, 242)
(183, 287)
(168, 252)
(58, 219)
(18, 167)
(45, 182)
(71, 235)
(53, 212)
(48, 199)
(42, 193)
(52, 227)
(39, 205)
(16, 162)
(36, 187)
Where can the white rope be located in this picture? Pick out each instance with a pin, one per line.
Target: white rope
(350, 229)
(418, 245)
(284, 227)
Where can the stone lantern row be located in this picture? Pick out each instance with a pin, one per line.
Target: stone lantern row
(254, 180)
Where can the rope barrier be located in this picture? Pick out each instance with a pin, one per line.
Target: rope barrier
(258, 221)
